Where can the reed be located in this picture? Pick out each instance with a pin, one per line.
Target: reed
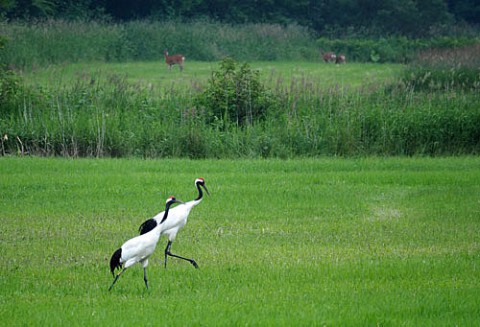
(40, 44)
(445, 69)
(110, 116)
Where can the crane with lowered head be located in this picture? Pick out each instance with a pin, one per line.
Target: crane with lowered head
(139, 248)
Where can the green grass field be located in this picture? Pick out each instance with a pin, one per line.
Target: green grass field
(196, 73)
(344, 242)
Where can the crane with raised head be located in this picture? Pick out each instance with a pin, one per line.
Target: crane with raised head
(177, 219)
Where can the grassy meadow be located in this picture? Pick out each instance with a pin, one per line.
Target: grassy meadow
(196, 73)
(366, 241)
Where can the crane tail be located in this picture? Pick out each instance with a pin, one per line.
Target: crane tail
(115, 261)
(147, 226)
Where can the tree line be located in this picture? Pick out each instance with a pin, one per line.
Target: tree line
(412, 18)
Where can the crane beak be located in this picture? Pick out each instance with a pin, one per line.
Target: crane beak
(178, 201)
(206, 190)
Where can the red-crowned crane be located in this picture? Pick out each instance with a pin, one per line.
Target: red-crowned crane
(176, 220)
(140, 248)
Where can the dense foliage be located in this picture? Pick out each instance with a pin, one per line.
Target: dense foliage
(120, 119)
(450, 68)
(43, 43)
(399, 49)
(53, 42)
(401, 17)
(234, 95)
(9, 86)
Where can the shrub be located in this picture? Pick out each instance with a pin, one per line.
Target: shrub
(235, 95)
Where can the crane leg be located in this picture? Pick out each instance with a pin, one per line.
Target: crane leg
(168, 253)
(145, 277)
(116, 277)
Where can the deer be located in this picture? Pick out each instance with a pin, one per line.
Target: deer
(328, 56)
(177, 59)
(340, 59)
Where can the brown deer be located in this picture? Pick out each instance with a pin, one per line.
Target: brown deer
(177, 59)
(328, 56)
(340, 59)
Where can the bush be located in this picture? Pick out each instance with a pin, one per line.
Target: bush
(235, 95)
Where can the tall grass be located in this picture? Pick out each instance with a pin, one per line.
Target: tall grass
(52, 42)
(111, 117)
(445, 69)
(398, 49)
(43, 43)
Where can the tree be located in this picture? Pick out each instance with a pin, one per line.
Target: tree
(465, 10)
(30, 8)
(404, 17)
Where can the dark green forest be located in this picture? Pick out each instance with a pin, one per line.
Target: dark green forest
(412, 18)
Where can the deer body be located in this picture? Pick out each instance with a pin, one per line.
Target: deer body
(340, 59)
(328, 56)
(177, 59)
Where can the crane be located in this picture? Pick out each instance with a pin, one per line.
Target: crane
(139, 248)
(177, 219)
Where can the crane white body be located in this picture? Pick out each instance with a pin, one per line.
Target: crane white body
(139, 248)
(177, 218)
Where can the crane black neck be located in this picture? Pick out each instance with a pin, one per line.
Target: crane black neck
(167, 208)
(200, 192)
